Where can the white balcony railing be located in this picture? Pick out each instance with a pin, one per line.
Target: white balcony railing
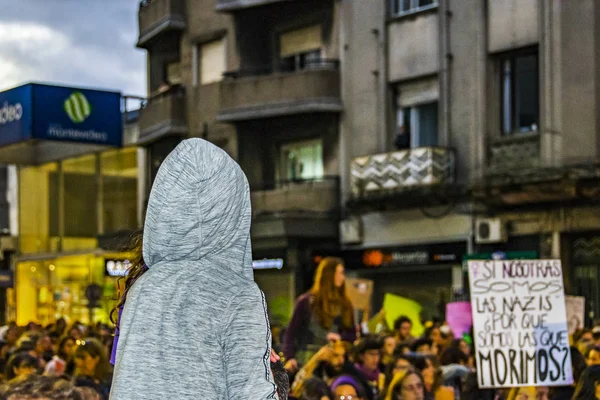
(377, 173)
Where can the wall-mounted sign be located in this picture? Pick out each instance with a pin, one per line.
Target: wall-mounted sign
(429, 254)
(268, 263)
(117, 267)
(57, 113)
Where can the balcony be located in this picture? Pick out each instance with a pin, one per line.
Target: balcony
(237, 5)
(514, 152)
(315, 196)
(158, 16)
(379, 175)
(163, 115)
(268, 93)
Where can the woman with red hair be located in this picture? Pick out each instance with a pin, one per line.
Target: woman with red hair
(323, 314)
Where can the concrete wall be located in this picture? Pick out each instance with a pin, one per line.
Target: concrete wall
(204, 24)
(467, 85)
(362, 42)
(394, 228)
(413, 46)
(512, 24)
(579, 90)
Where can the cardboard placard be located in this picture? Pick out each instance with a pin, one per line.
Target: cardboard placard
(520, 323)
(575, 313)
(360, 291)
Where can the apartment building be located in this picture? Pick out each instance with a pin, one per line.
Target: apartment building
(431, 131)
(491, 145)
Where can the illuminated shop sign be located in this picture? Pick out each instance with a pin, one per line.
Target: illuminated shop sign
(117, 267)
(389, 257)
(268, 263)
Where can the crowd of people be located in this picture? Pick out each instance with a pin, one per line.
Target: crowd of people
(330, 357)
(56, 361)
(325, 355)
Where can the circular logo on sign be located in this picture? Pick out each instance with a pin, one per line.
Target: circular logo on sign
(77, 107)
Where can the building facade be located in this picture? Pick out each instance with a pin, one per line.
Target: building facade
(71, 191)
(404, 136)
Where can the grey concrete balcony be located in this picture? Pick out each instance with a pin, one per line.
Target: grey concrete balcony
(514, 152)
(163, 115)
(381, 174)
(264, 93)
(236, 5)
(156, 17)
(321, 196)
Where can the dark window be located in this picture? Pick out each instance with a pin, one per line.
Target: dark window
(401, 7)
(300, 61)
(520, 93)
(417, 126)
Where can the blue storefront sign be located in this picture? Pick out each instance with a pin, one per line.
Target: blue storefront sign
(55, 113)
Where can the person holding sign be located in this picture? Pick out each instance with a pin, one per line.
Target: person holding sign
(520, 323)
(324, 314)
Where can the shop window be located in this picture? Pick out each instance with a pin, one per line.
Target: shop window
(302, 160)
(120, 190)
(520, 93)
(38, 208)
(301, 48)
(417, 126)
(403, 7)
(213, 61)
(80, 193)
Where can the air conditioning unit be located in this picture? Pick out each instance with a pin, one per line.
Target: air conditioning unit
(490, 230)
(351, 231)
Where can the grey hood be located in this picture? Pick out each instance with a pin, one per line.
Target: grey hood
(195, 324)
(201, 198)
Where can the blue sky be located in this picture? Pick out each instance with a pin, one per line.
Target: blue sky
(89, 43)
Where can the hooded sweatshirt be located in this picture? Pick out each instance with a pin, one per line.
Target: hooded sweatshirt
(195, 325)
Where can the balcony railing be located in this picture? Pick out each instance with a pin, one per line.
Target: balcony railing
(322, 63)
(399, 170)
(514, 152)
(276, 91)
(236, 5)
(163, 115)
(312, 195)
(158, 16)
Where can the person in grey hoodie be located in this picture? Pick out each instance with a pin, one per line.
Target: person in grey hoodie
(194, 324)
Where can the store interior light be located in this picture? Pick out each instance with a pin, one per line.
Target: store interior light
(33, 269)
(51, 267)
(274, 263)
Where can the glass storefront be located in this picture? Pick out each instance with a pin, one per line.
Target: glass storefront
(63, 207)
(46, 290)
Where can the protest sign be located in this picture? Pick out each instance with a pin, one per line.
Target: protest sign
(459, 317)
(575, 312)
(359, 291)
(520, 323)
(396, 306)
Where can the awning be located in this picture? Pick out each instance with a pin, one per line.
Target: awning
(41, 123)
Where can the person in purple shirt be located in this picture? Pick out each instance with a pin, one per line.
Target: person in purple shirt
(323, 314)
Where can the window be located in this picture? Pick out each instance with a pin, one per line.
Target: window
(301, 48)
(213, 61)
(417, 126)
(402, 7)
(520, 93)
(302, 160)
